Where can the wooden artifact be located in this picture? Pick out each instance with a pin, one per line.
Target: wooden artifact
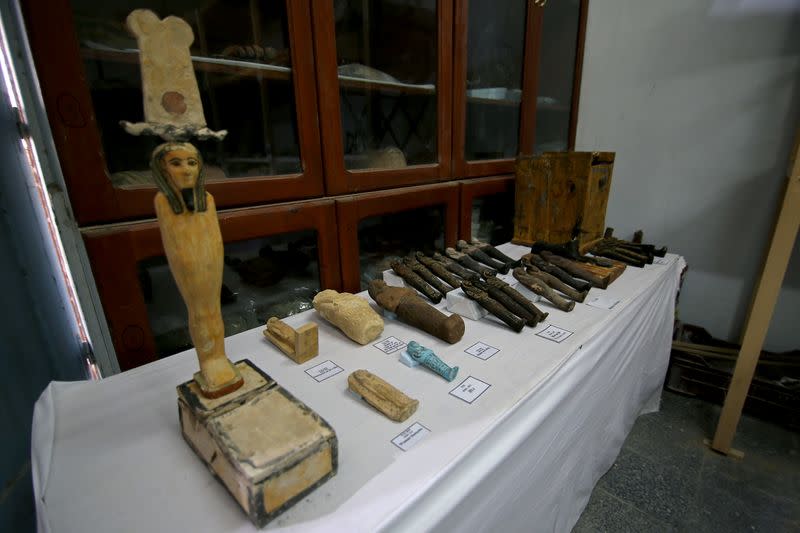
(267, 447)
(430, 277)
(561, 195)
(518, 298)
(539, 287)
(470, 263)
(299, 344)
(351, 314)
(555, 283)
(479, 255)
(455, 267)
(496, 308)
(416, 281)
(382, 395)
(439, 269)
(545, 266)
(414, 311)
(577, 270)
(494, 252)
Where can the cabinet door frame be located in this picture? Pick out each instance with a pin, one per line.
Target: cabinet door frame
(68, 102)
(115, 252)
(530, 83)
(338, 179)
(475, 188)
(350, 210)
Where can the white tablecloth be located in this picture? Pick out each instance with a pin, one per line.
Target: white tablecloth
(524, 455)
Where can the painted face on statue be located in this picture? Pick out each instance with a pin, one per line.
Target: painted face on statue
(182, 166)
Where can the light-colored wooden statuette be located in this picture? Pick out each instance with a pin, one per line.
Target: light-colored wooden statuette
(351, 314)
(267, 447)
(382, 395)
(299, 344)
(187, 218)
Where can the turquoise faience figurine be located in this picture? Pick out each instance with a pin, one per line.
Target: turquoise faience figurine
(426, 357)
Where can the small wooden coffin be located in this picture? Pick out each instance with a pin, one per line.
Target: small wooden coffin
(561, 193)
(267, 447)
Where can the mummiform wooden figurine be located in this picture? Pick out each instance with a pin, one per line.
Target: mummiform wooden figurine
(187, 218)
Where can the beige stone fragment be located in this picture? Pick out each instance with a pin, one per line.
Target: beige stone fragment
(299, 344)
(351, 314)
(382, 395)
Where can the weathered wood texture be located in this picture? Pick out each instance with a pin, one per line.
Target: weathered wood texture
(560, 193)
(300, 345)
(381, 395)
(267, 447)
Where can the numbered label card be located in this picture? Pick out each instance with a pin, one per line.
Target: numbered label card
(602, 301)
(410, 436)
(323, 371)
(470, 389)
(389, 345)
(482, 350)
(554, 333)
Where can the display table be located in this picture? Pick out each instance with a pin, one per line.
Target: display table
(525, 454)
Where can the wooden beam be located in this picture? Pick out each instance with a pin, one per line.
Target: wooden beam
(757, 324)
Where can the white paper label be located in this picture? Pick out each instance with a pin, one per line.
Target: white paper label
(554, 333)
(660, 261)
(389, 345)
(323, 371)
(482, 350)
(602, 301)
(410, 436)
(470, 389)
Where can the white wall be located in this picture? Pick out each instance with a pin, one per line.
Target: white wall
(701, 103)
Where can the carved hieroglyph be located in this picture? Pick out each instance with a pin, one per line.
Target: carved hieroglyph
(382, 395)
(351, 314)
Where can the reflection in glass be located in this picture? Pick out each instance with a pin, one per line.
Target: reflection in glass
(274, 276)
(495, 47)
(386, 238)
(387, 64)
(242, 62)
(493, 217)
(556, 74)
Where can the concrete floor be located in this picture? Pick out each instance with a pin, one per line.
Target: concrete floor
(666, 479)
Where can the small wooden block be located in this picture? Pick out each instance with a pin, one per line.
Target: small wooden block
(267, 447)
(299, 345)
(382, 395)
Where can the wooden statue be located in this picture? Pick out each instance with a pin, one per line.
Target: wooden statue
(187, 218)
(266, 446)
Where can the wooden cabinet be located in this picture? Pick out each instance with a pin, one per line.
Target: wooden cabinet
(255, 68)
(369, 116)
(384, 77)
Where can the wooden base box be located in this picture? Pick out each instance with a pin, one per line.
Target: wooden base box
(267, 447)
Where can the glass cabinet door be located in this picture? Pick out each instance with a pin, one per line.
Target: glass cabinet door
(385, 109)
(276, 259)
(253, 63)
(493, 113)
(559, 60)
(377, 227)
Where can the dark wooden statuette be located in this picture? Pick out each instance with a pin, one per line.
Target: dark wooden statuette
(413, 279)
(479, 255)
(423, 272)
(517, 297)
(470, 263)
(439, 269)
(493, 306)
(540, 288)
(411, 309)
